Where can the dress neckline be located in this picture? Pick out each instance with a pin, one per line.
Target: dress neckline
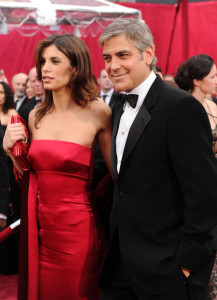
(77, 144)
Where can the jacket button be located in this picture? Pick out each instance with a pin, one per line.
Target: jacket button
(121, 194)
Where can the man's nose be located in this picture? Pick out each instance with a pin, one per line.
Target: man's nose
(115, 64)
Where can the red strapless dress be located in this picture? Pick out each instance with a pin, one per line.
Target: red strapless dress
(65, 235)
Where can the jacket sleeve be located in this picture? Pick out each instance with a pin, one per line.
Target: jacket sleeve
(190, 146)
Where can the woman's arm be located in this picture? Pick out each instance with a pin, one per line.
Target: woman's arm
(13, 133)
(104, 137)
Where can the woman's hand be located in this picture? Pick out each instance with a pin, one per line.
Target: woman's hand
(13, 133)
(186, 272)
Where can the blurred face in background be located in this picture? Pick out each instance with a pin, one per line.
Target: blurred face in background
(2, 95)
(19, 84)
(208, 84)
(29, 91)
(35, 83)
(105, 82)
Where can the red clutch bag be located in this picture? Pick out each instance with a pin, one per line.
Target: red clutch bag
(21, 148)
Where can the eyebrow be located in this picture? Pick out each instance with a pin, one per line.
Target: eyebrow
(119, 52)
(53, 57)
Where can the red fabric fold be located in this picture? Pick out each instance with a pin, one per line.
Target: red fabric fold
(32, 239)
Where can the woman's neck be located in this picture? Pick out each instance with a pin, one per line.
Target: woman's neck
(63, 100)
(199, 96)
(1, 110)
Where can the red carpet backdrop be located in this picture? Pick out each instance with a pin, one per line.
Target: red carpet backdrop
(17, 47)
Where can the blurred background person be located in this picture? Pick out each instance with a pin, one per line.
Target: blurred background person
(2, 76)
(198, 76)
(106, 86)
(19, 86)
(158, 71)
(38, 91)
(168, 77)
(29, 90)
(9, 249)
(7, 106)
(4, 187)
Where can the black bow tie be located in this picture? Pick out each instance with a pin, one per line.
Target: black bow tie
(120, 99)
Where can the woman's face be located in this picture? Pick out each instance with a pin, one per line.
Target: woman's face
(56, 69)
(209, 83)
(29, 90)
(2, 95)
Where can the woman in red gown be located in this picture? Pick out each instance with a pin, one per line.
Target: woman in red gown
(65, 237)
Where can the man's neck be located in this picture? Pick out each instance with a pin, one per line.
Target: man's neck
(19, 98)
(106, 91)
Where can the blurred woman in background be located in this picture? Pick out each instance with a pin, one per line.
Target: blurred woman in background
(198, 76)
(9, 248)
(29, 91)
(7, 106)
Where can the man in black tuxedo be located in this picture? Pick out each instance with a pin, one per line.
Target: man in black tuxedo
(19, 85)
(38, 91)
(4, 186)
(165, 174)
(107, 90)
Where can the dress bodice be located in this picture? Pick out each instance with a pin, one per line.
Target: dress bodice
(63, 169)
(61, 156)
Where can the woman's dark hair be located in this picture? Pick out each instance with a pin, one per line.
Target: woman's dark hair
(76, 50)
(9, 97)
(196, 67)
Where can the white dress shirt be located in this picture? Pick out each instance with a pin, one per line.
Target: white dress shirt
(19, 101)
(108, 95)
(129, 115)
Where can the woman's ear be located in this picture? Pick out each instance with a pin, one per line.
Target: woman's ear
(197, 82)
(75, 71)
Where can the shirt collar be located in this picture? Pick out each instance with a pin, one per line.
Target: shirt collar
(142, 90)
(109, 93)
(19, 99)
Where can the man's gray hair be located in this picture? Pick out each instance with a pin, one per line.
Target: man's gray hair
(134, 30)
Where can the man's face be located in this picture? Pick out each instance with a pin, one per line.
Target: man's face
(35, 83)
(19, 85)
(126, 65)
(105, 82)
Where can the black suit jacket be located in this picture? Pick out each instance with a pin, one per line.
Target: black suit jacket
(4, 180)
(25, 101)
(165, 195)
(26, 109)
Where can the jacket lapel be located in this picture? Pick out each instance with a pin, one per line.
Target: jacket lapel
(116, 122)
(143, 118)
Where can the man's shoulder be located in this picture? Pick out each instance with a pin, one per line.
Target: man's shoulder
(29, 105)
(175, 94)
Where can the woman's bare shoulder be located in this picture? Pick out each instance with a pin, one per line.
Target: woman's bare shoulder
(32, 116)
(101, 108)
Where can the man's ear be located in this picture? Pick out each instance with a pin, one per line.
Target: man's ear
(149, 55)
